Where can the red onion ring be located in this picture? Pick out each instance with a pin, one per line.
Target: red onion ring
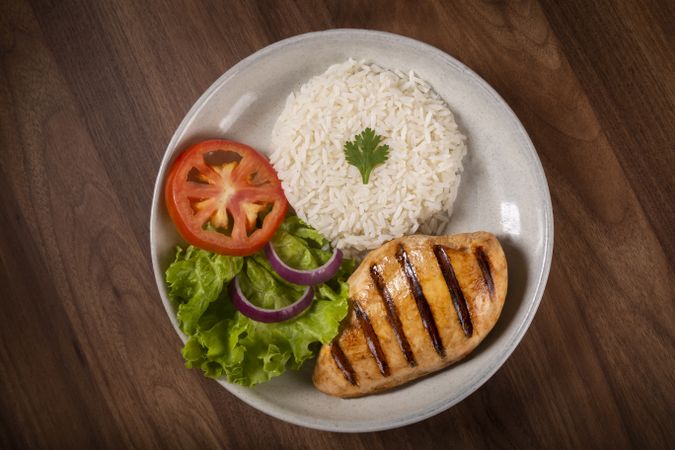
(304, 277)
(268, 315)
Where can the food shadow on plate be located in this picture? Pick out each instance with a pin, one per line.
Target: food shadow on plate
(200, 136)
(515, 294)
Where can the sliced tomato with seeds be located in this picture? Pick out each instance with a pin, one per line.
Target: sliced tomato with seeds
(224, 197)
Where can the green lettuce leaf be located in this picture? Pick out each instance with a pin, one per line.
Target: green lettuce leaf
(299, 245)
(263, 287)
(195, 279)
(249, 352)
(224, 342)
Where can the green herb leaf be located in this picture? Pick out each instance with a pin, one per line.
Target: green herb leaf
(365, 152)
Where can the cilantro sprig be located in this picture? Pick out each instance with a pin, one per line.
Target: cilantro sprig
(365, 152)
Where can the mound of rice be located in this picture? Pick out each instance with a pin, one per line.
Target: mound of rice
(413, 190)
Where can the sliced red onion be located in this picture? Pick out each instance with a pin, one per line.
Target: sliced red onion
(268, 315)
(305, 277)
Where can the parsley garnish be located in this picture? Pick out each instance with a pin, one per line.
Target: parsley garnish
(365, 152)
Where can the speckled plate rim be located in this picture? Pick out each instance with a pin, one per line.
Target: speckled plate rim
(446, 403)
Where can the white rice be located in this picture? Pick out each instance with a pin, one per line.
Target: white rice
(413, 190)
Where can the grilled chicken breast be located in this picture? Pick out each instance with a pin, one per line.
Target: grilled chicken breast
(417, 304)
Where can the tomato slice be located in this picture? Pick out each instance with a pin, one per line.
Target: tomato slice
(224, 197)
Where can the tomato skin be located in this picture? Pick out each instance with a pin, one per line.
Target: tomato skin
(234, 190)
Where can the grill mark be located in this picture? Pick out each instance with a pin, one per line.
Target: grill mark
(456, 293)
(392, 315)
(484, 264)
(422, 304)
(343, 363)
(372, 340)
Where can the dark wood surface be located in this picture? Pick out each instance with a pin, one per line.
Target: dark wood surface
(90, 94)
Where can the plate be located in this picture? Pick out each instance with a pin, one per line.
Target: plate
(503, 190)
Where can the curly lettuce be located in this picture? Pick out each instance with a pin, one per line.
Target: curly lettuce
(195, 279)
(224, 342)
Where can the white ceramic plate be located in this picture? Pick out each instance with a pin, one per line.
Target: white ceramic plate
(503, 190)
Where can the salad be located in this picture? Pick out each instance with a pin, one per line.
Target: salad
(256, 290)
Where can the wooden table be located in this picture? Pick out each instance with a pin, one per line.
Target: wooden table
(90, 94)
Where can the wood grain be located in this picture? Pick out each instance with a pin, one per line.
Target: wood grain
(90, 93)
